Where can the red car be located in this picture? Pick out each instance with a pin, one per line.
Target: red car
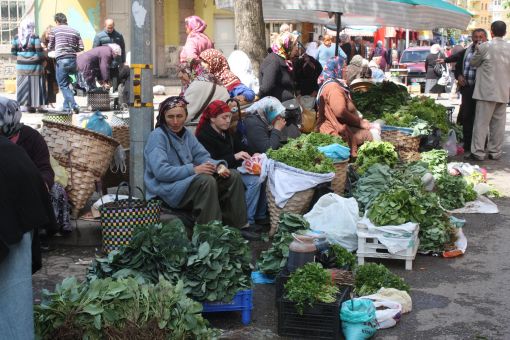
(414, 59)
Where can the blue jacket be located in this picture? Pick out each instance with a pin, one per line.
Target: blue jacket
(166, 176)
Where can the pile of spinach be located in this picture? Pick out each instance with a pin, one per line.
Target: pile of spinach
(384, 97)
(302, 155)
(371, 277)
(310, 284)
(371, 153)
(437, 162)
(374, 181)
(428, 110)
(338, 257)
(119, 309)
(273, 260)
(454, 191)
(321, 139)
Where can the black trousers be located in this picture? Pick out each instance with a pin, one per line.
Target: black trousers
(467, 109)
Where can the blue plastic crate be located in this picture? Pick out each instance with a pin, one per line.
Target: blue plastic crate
(407, 131)
(242, 302)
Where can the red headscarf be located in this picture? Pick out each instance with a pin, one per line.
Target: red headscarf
(218, 66)
(213, 110)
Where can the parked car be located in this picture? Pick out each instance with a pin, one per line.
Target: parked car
(414, 59)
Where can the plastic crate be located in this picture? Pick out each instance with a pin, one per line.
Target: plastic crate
(242, 302)
(281, 280)
(322, 321)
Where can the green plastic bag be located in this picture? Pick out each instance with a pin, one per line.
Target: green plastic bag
(358, 319)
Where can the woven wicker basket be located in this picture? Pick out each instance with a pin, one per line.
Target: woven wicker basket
(338, 182)
(298, 203)
(406, 146)
(121, 134)
(85, 154)
(64, 118)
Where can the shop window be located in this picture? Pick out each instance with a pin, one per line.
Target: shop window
(11, 13)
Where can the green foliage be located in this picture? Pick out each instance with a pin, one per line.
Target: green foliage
(373, 182)
(371, 153)
(384, 97)
(437, 162)
(119, 309)
(310, 284)
(339, 257)
(454, 191)
(371, 277)
(428, 110)
(321, 139)
(273, 260)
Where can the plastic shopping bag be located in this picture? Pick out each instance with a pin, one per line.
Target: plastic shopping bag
(358, 319)
(337, 217)
(387, 313)
(336, 152)
(97, 122)
(451, 144)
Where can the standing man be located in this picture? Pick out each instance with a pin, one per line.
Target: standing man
(492, 90)
(110, 36)
(66, 42)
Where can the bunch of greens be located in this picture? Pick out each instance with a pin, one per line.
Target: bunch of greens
(373, 182)
(427, 109)
(273, 260)
(403, 118)
(219, 264)
(310, 284)
(454, 191)
(371, 277)
(119, 309)
(384, 97)
(301, 155)
(437, 162)
(394, 207)
(154, 251)
(321, 139)
(338, 257)
(372, 153)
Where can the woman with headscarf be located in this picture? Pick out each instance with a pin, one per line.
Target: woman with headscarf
(197, 41)
(306, 72)
(216, 63)
(375, 67)
(240, 65)
(49, 69)
(30, 81)
(213, 133)
(276, 69)
(95, 64)
(265, 124)
(337, 114)
(354, 69)
(431, 77)
(380, 51)
(180, 171)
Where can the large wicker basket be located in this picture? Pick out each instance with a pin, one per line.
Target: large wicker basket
(65, 118)
(85, 154)
(406, 145)
(121, 134)
(298, 203)
(338, 182)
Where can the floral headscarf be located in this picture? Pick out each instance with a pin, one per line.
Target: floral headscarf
(268, 108)
(168, 104)
(214, 109)
(10, 117)
(195, 24)
(25, 31)
(332, 69)
(219, 68)
(194, 70)
(283, 45)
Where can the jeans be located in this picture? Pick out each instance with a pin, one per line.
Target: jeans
(255, 195)
(66, 67)
(16, 304)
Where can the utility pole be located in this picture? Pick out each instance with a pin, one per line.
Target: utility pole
(141, 110)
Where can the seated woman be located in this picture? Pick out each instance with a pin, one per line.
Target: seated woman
(180, 171)
(213, 133)
(375, 67)
(337, 114)
(216, 63)
(265, 125)
(95, 63)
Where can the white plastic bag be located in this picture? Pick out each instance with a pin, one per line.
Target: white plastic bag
(451, 144)
(387, 313)
(394, 237)
(445, 77)
(337, 217)
(395, 295)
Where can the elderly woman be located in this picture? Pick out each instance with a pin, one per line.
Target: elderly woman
(216, 63)
(213, 133)
(180, 171)
(95, 64)
(30, 80)
(375, 67)
(431, 77)
(197, 41)
(241, 66)
(337, 114)
(276, 69)
(354, 69)
(380, 51)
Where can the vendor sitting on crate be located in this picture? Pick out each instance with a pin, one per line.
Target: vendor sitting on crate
(95, 64)
(180, 171)
(337, 114)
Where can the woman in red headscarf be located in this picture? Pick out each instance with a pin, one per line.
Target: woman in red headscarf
(213, 133)
(197, 40)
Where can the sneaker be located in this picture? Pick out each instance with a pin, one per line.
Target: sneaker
(249, 235)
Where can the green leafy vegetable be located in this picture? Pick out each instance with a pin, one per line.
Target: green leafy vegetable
(428, 110)
(371, 277)
(454, 191)
(437, 162)
(371, 153)
(321, 139)
(338, 257)
(373, 182)
(310, 284)
(384, 97)
(302, 155)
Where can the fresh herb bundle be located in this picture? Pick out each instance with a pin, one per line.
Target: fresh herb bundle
(371, 153)
(338, 257)
(371, 277)
(302, 155)
(437, 162)
(384, 97)
(454, 191)
(321, 139)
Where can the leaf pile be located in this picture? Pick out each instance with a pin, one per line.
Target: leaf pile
(454, 191)
(310, 284)
(437, 162)
(302, 155)
(371, 277)
(373, 182)
(119, 309)
(321, 139)
(428, 110)
(338, 257)
(405, 119)
(273, 260)
(371, 153)
(154, 251)
(384, 97)
(219, 265)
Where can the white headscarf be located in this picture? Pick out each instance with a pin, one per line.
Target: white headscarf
(435, 49)
(117, 51)
(240, 65)
(25, 30)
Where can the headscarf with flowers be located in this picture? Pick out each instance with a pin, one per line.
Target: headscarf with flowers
(332, 69)
(283, 45)
(219, 68)
(168, 104)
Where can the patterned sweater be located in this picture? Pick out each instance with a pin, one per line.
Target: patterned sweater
(29, 59)
(65, 41)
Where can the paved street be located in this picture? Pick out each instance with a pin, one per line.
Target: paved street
(460, 298)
